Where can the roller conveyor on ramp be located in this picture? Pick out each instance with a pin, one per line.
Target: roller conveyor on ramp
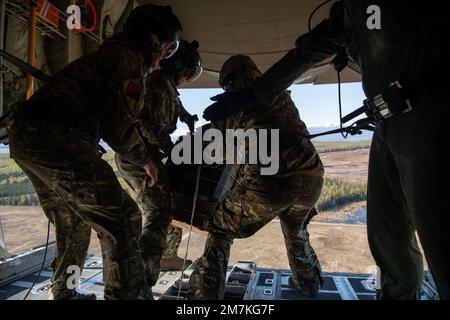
(245, 281)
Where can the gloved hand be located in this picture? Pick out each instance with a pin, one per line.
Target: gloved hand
(190, 120)
(152, 172)
(227, 104)
(336, 23)
(166, 149)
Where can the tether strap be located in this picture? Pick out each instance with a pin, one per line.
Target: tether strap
(194, 205)
(355, 129)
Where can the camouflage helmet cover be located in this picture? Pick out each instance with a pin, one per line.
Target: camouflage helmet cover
(238, 72)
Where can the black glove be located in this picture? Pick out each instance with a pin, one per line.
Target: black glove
(190, 120)
(227, 104)
(336, 20)
(331, 29)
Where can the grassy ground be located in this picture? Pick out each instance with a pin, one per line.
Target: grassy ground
(16, 189)
(339, 247)
(323, 147)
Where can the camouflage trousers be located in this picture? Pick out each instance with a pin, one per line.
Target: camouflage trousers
(158, 237)
(173, 241)
(79, 191)
(407, 190)
(253, 202)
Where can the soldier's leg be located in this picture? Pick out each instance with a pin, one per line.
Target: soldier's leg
(390, 230)
(173, 241)
(156, 204)
(72, 237)
(89, 188)
(170, 259)
(416, 140)
(303, 261)
(243, 212)
(253, 202)
(72, 242)
(207, 282)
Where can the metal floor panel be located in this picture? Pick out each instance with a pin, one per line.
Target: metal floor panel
(244, 282)
(17, 290)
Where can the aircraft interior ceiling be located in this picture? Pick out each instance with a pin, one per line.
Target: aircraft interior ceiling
(264, 30)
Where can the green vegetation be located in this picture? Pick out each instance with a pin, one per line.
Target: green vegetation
(337, 193)
(16, 189)
(341, 146)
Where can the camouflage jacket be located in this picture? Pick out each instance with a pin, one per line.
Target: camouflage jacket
(106, 90)
(162, 110)
(297, 153)
(379, 54)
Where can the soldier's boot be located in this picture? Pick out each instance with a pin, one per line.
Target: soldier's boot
(81, 296)
(146, 294)
(151, 269)
(174, 263)
(309, 287)
(207, 281)
(305, 266)
(306, 270)
(74, 295)
(151, 274)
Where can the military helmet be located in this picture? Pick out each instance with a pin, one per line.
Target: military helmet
(154, 25)
(186, 60)
(238, 72)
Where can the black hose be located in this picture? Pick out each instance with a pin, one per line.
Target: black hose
(43, 261)
(314, 11)
(344, 134)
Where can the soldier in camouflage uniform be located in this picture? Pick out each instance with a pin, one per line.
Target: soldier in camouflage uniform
(407, 183)
(256, 199)
(53, 138)
(158, 120)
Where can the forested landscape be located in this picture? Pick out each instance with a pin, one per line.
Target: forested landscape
(16, 189)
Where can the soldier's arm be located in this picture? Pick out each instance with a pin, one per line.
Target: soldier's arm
(311, 49)
(186, 117)
(166, 143)
(310, 52)
(159, 104)
(183, 114)
(124, 85)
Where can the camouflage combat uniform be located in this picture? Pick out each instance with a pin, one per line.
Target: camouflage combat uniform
(255, 200)
(54, 137)
(407, 181)
(158, 121)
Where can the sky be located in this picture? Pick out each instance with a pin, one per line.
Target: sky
(318, 104)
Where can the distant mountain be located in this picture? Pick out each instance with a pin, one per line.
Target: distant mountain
(366, 135)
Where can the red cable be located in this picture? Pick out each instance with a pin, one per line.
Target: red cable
(90, 8)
